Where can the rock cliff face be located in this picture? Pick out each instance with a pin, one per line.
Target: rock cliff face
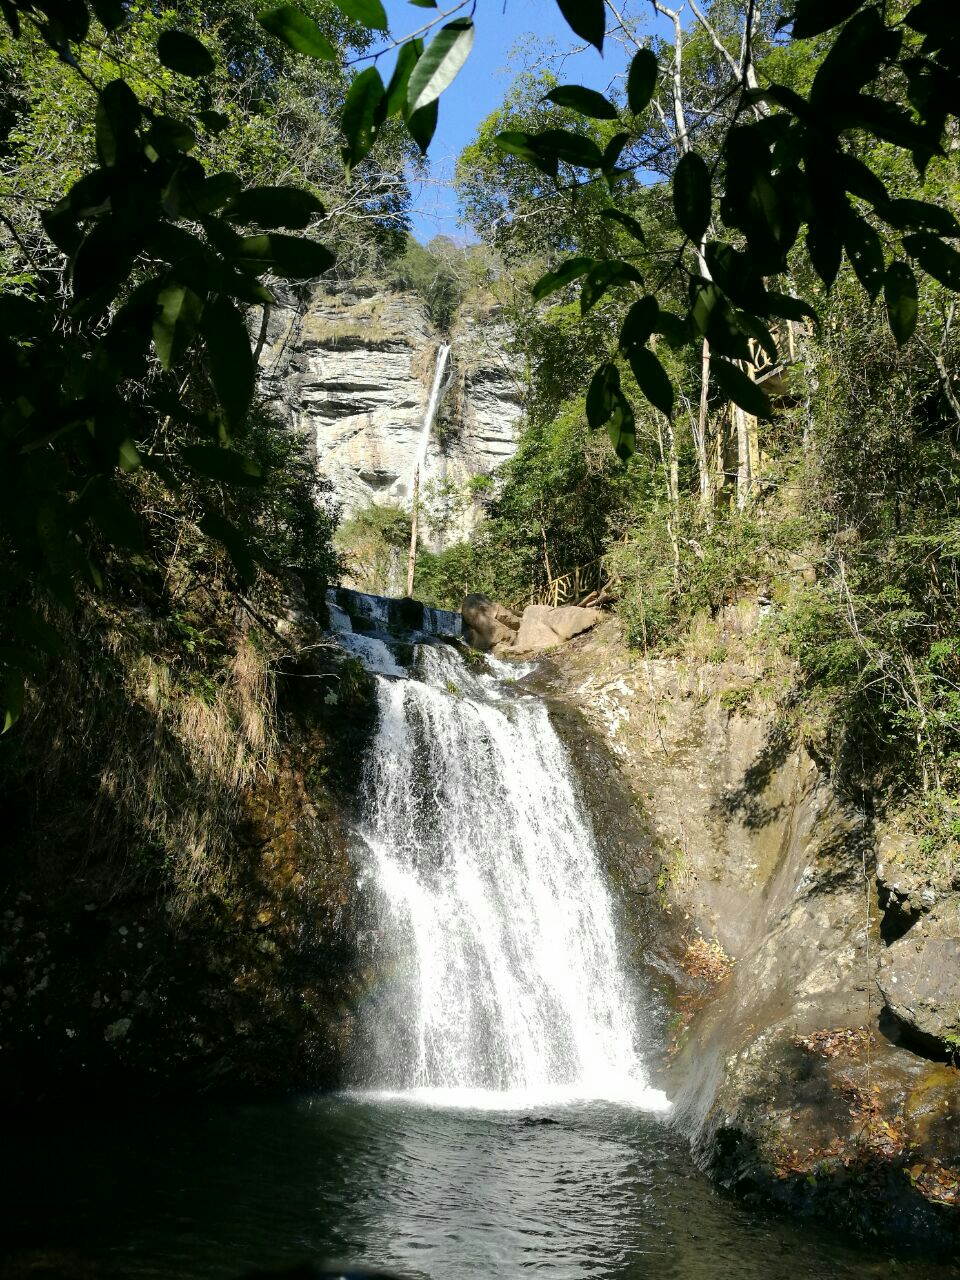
(803, 1055)
(350, 367)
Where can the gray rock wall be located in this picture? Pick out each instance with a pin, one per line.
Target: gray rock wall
(350, 368)
(769, 941)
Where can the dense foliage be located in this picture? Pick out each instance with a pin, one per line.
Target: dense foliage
(799, 453)
(708, 249)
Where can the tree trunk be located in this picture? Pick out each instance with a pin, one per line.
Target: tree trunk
(701, 441)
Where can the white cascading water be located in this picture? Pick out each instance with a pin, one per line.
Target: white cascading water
(430, 413)
(507, 984)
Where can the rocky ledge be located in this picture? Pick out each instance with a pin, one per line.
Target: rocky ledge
(809, 1014)
(489, 626)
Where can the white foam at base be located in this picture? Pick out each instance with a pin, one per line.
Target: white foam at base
(640, 1098)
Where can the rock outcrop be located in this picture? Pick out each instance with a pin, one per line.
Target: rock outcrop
(349, 367)
(757, 910)
(920, 977)
(543, 626)
(489, 625)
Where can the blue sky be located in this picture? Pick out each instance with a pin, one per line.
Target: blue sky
(511, 36)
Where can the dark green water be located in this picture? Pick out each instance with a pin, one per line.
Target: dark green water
(601, 1191)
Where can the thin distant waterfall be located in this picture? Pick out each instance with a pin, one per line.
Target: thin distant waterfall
(505, 978)
(429, 416)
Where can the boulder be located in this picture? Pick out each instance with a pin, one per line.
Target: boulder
(542, 626)
(487, 623)
(920, 976)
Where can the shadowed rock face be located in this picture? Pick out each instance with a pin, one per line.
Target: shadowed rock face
(920, 976)
(785, 1066)
(350, 368)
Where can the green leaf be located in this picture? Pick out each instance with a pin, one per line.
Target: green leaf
(117, 122)
(611, 152)
(570, 270)
(214, 121)
(586, 102)
(933, 18)
(756, 329)
(854, 58)
(187, 197)
(788, 308)
(11, 698)
(622, 428)
(439, 63)
(90, 195)
(184, 53)
(813, 17)
(230, 359)
(216, 526)
(571, 148)
(640, 322)
(642, 80)
(291, 257)
(214, 463)
(936, 258)
(740, 388)
(297, 31)
(692, 196)
(865, 251)
(652, 379)
(176, 323)
(524, 145)
(604, 276)
(216, 191)
(397, 88)
(734, 273)
(888, 122)
(826, 250)
(602, 394)
(111, 14)
(105, 257)
(370, 13)
(168, 137)
(274, 207)
(900, 295)
(63, 229)
(712, 316)
(359, 116)
(626, 221)
(422, 125)
(923, 216)
(587, 18)
(675, 331)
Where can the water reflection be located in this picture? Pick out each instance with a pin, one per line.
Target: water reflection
(581, 1191)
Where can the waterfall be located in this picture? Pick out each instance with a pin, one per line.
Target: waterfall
(504, 981)
(429, 415)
